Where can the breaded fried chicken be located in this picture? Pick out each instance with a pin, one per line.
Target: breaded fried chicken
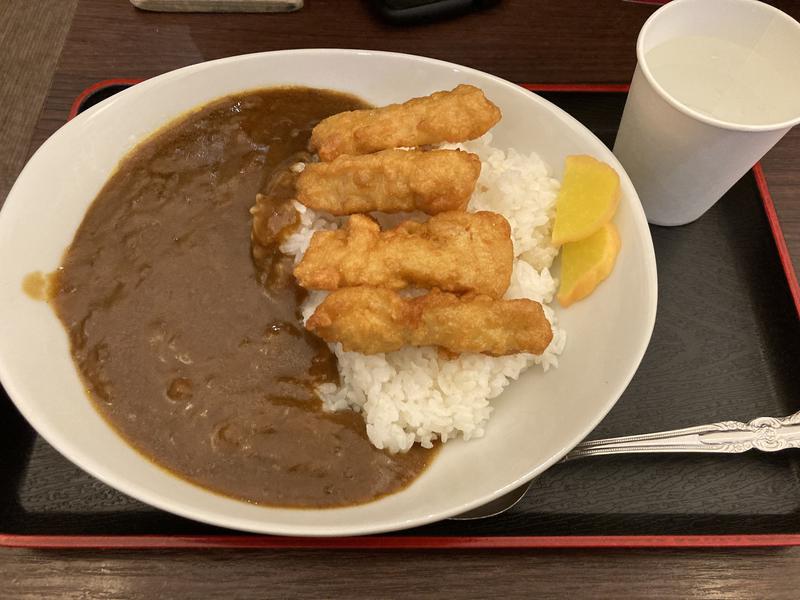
(455, 116)
(374, 320)
(454, 251)
(391, 181)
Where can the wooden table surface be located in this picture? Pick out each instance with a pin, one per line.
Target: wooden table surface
(521, 40)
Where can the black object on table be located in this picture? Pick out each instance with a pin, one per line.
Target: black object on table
(418, 11)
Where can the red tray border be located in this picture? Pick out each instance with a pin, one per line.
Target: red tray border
(439, 542)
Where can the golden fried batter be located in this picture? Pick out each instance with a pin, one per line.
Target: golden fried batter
(373, 320)
(391, 181)
(454, 251)
(455, 116)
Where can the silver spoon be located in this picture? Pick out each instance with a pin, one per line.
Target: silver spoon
(767, 434)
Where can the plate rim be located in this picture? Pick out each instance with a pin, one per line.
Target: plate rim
(63, 446)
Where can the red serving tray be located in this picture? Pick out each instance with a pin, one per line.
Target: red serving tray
(440, 542)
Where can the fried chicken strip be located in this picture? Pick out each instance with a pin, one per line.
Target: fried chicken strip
(455, 116)
(454, 251)
(391, 181)
(374, 320)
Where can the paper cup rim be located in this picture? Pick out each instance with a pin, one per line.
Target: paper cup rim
(687, 110)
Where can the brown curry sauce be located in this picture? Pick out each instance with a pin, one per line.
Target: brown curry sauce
(196, 357)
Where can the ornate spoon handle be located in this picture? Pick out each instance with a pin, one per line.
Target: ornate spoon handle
(764, 433)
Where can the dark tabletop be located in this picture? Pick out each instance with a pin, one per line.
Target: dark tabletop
(531, 41)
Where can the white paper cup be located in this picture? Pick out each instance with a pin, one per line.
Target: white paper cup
(681, 161)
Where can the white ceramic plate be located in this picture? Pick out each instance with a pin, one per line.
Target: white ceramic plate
(536, 421)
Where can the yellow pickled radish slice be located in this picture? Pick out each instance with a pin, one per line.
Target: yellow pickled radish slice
(586, 263)
(587, 200)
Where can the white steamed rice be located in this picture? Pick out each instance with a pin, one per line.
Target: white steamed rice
(412, 395)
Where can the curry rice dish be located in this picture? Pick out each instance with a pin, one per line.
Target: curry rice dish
(184, 315)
